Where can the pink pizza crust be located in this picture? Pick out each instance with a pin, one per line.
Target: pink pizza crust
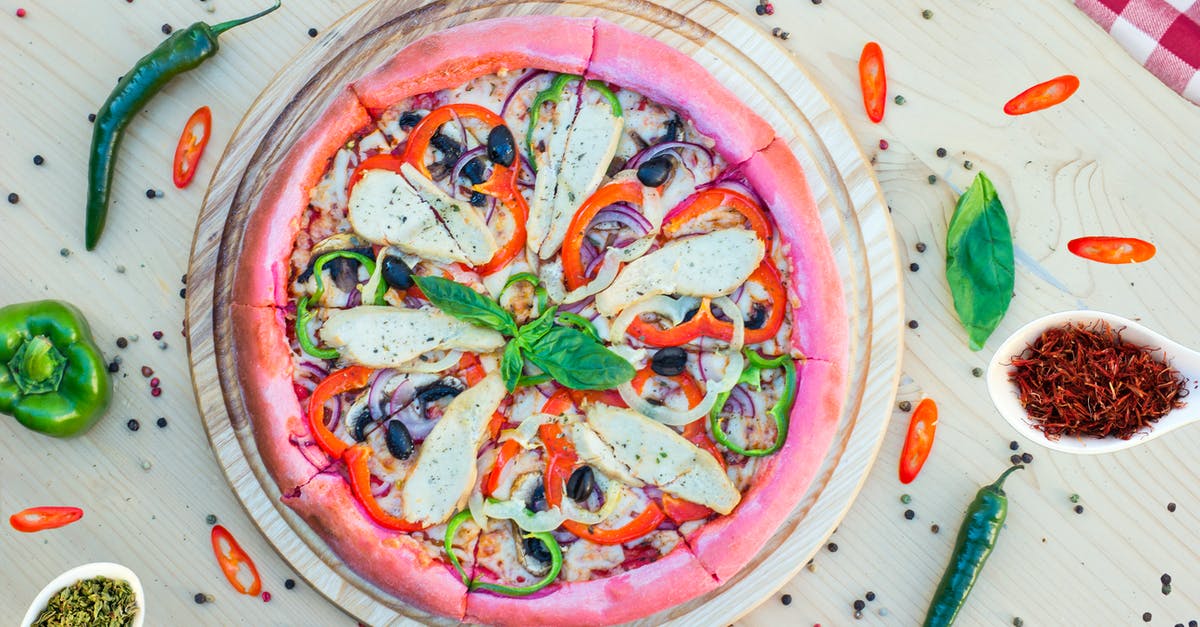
(675, 578)
(727, 544)
(264, 368)
(263, 271)
(452, 57)
(820, 328)
(391, 560)
(667, 76)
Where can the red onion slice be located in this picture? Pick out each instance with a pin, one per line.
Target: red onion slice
(401, 396)
(521, 82)
(309, 449)
(312, 370)
(462, 162)
(375, 398)
(650, 152)
(379, 487)
(334, 416)
(419, 427)
(578, 306)
(625, 215)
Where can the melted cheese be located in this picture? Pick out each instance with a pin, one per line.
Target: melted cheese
(708, 265)
(384, 337)
(655, 454)
(445, 472)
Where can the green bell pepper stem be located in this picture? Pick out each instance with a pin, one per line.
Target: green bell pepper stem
(556, 562)
(780, 412)
(579, 322)
(304, 315)
(53, 378)
(554, 93)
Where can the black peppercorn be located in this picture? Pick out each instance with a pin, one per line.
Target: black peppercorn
(161, 422)
(941, 152)
(199, 598)
(1026, 457)
(13, 198)
(122, 342)
(133, 424)
(1012, 446)
(912, 324)
(914, 267)
(870, 596)
(786, 599)
(289, 583)
(920, 247)
(38, 160)
(832, 546)
(909, 514)
(312, 32)
(166, 29)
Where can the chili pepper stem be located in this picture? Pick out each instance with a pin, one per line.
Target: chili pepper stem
(217, 29)
(998, 484)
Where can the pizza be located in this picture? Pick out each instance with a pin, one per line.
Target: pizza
(538, 325)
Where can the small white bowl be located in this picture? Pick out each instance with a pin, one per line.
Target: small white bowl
(87, 571)
(1006, 398)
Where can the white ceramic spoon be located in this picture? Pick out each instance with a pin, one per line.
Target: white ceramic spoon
(87, 571)
(1006, 399)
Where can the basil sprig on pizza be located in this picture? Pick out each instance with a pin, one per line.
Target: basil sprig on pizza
(527, 322)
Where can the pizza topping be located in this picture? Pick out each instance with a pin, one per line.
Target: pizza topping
(387, 210)
(501, 147)
(669, 362)
(780, 412)
(714, 264)
(659, 456)
(399, 442)
(581, 483)
(445, 470)
(463, 222)
(654, 172)
(382, 337)
(357, 459)
(548, 542)
(396, 273)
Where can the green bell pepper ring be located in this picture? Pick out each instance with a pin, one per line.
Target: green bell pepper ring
(569, 319)
(304, 315)
(556, 562)
(554, 93)
(532, 279)
(184, 50)
(780, 412)
(976, 539)
(53, 379)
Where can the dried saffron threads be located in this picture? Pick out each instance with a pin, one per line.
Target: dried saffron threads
(1084, 380)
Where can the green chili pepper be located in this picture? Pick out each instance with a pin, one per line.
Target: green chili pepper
(184, 50)
(554, 93)
(304, 315)
(556, 561)
(53, 379)
(780, 412)
(976, 539)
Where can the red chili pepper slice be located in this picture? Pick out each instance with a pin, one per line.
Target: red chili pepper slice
(873, 80)
(357, 458)
(1112, 249)
(1043, 95)
(191, 146)
(714, 199)
(232, 558)
(705, 323)
(919, 441)
(41, 518)
(629, 191)
(343, 380)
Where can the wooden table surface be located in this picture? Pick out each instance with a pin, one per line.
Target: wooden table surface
(1114, 160)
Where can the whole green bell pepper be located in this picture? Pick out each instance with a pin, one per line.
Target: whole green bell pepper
(53, 379)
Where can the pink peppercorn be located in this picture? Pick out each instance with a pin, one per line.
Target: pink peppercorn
(769, 9)
(147, 371)
(266, 596)
(158, 335)
(883, 144)
(20, 12)
(155, 391)
(154, 382)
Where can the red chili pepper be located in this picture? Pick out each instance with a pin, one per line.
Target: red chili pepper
(231, 558)
(1112, 249)
(191, 146)
(502, 184)
(705, 323)
(919, 441)
(715, 199)
(357, 458)
(873, 80)
(629, 191)
(42, 518)
(1043, 95)
(343, 380)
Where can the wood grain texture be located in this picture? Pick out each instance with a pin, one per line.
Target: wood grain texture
(740, 57)
(1119, 159)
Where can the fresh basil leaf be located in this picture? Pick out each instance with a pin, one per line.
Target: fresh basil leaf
(466, 304)
(578, 362)
(512, 364)
(535, 329)
(979, 260)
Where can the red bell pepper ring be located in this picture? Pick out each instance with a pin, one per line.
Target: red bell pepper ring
(357, 458)
(36, 519)
(381, 161)
(471, 369)
(508, 451)
(191, 146)
(1112, 249)
(872, 78)
(343, 380)
(919, 441)
(605, 397)
(686, 382)
(715, 199)
(642, 524)
(502, 184)
(706, 324)
(629, 191)
(1043, 95)
(232, 558)
(682, 511)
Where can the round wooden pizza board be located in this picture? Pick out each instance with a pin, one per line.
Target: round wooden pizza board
(742, 57)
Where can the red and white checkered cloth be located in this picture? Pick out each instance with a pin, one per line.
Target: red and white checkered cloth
(1163, 35)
